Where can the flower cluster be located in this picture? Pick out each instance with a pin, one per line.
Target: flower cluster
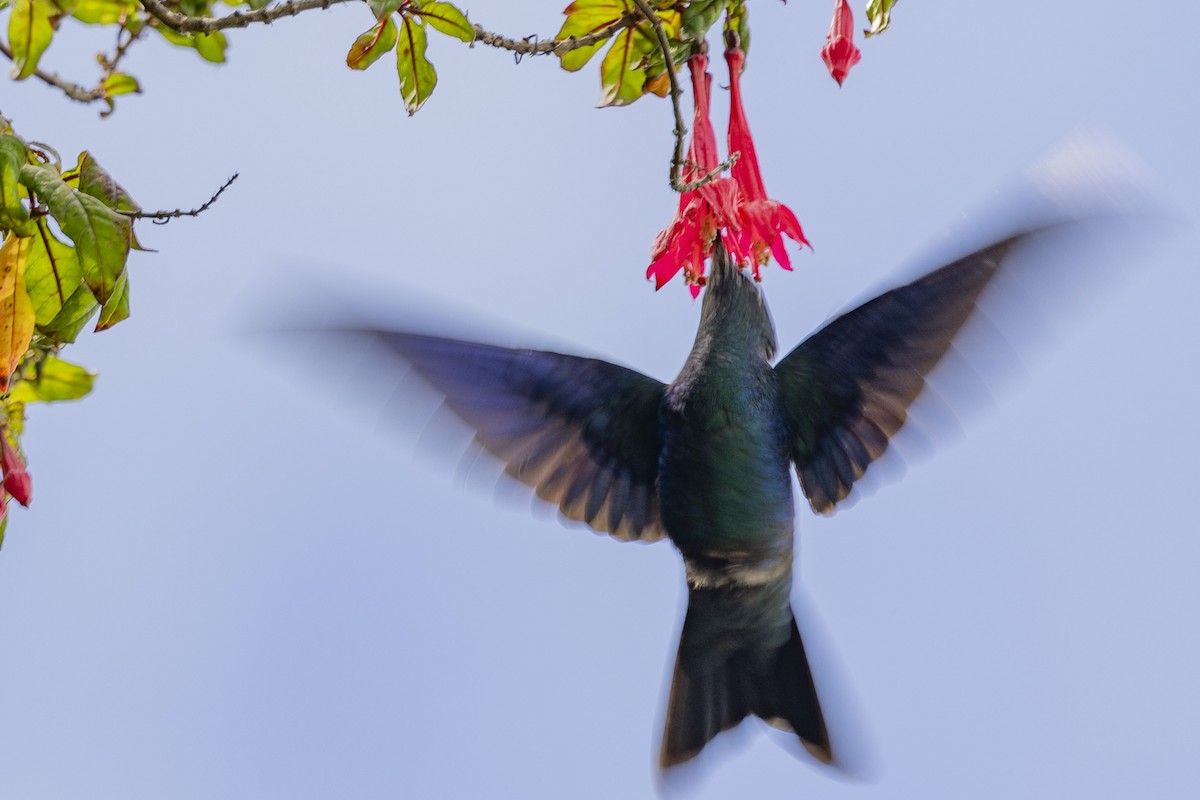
(737, 208)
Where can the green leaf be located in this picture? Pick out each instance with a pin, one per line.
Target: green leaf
(102, 12)
(62, 302)
(16, 312)
(53, 381)
(52, 273)
(879, 13)
(29, 34)
(209, 46)
(367, 48)
(446, 18)
(102, 236)
(116, 308)
(585, 17)
(384, 8)
(699, 16)
(73, 317)
(14, 216)
(417, 76)
(574, 60)
(120, 83)
(621, 78)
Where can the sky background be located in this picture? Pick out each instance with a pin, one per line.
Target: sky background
(242, 577)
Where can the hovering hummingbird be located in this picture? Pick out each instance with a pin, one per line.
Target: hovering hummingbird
(704, 462)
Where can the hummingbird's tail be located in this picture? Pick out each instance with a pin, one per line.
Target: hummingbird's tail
(740, 654)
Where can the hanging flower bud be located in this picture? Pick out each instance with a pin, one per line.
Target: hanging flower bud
(839, 52)
(16, 479)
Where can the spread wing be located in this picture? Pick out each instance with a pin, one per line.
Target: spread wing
(847, 388)
(584, 433)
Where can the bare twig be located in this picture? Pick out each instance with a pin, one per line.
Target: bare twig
(125, 38)
(71, 90)
(669, 62)
(238, 19)
(163, 217)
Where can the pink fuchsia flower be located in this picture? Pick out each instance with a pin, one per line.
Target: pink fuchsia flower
(686, 243)
(16, 479)
(839, 52)
(763, 221)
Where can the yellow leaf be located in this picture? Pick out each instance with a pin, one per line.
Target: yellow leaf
(16, 312)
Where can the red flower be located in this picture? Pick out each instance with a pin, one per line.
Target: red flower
(687, 241)
(763, 221)
(839, 51)
(16, 479)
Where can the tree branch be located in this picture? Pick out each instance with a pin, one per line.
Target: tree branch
(163, 217)
(71, 90)
(531, 46)
(238, 19)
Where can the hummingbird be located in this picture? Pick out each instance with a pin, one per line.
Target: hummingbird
(705, 461)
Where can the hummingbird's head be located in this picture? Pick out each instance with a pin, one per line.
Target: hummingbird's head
(735, 311)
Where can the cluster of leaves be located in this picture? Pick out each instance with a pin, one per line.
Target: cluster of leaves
(32, 25)
(634, 65)
(51, 289)
(401, 25)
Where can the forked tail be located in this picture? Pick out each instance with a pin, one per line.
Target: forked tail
(740, 654)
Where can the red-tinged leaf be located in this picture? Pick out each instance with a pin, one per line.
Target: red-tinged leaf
(589, 16)
(16, 312)
(368, 48)
(29, 33)
(417, 75)
(445, 17)
(93, 179)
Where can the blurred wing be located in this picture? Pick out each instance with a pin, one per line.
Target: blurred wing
(846, 389)
(584, 433)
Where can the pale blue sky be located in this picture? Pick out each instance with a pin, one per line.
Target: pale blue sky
(238, 581)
